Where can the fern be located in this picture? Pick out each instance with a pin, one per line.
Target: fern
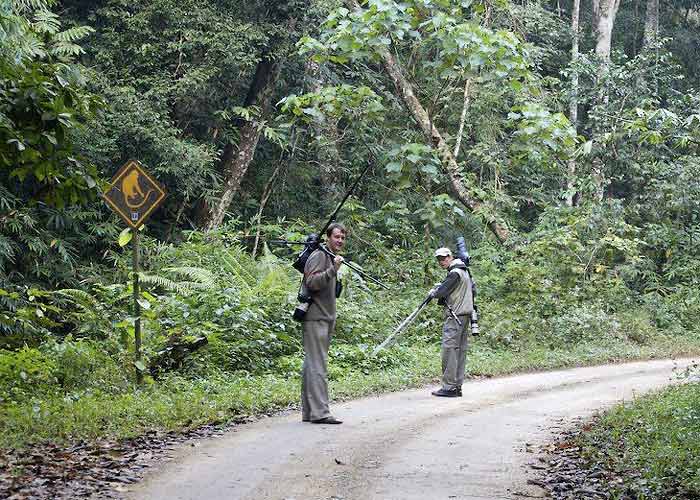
(29, 47)
(195, 274)
(8, 252)
(72, 35)
(82, 299)
(246, 279)
(26, 6)
(21, 39)
(12, 27)
(46, 22)
(198, 279)
(179, 287)
(67, 252)
(66, 50)
(275, 281)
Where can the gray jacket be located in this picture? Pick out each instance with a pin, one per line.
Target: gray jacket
(319, 279)
(456, 289)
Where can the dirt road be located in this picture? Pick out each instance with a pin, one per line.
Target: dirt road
(402, 446)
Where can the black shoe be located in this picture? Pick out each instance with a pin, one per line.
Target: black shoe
(459, 392)
(446, 394)
(327, 420)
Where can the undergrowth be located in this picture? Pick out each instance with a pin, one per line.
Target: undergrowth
(652, 443)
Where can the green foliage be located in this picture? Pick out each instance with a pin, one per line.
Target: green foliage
(537, 126)
(134, 125)
(26, 317)
(652, 443)
(454, 56)
(86, 365)
(175, 76)
(42, 98)
(343, 101)
(43, 101)
(25, 373)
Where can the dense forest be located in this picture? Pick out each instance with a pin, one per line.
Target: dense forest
(559, 137)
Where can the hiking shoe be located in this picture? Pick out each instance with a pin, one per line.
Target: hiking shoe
(327, 420)
(446, 394)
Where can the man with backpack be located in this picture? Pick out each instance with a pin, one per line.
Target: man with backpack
(455, 293)
(321, 285)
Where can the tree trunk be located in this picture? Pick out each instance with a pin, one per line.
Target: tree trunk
(462, 118)
(573, 103)
(236, 158)
(604, 12)
(635, 52)
(651, 24)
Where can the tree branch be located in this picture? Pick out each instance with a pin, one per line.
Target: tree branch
(462, 118)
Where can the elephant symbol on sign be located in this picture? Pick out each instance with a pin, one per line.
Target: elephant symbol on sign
(132, 190)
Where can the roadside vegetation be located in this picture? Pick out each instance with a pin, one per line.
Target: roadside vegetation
(646, 448)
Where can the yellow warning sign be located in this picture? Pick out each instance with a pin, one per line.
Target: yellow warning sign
(134, 194)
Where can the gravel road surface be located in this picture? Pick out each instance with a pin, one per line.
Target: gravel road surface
(406, 445)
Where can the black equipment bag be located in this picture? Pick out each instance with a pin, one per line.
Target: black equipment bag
(312, 244)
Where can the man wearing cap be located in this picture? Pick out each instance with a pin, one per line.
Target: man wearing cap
(320, 278)
(455, 293)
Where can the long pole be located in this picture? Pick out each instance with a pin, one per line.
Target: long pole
(402, 326)
(354, 268)
(331, 220)
(137, 310)
(332, 256)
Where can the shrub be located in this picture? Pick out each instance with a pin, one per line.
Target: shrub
(652, 442)
(25, 373)
(84, 364)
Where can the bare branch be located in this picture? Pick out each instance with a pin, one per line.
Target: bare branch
(462, 118)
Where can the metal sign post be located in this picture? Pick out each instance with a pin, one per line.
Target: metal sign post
(133, 194)
(137, 311)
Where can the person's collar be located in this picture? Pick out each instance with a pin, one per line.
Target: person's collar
(456, 263)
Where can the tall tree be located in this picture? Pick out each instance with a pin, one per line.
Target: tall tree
(437, 141)
(236, 158)
(380, 31)
(573, 100)
(651, 24)
(428, 50)
(604, 13)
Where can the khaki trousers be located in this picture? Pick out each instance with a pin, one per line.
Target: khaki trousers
(314, 372)
(454, 352)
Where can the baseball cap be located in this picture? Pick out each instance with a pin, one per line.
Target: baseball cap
(443, 252)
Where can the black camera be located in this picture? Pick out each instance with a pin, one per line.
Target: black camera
(300, 311)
